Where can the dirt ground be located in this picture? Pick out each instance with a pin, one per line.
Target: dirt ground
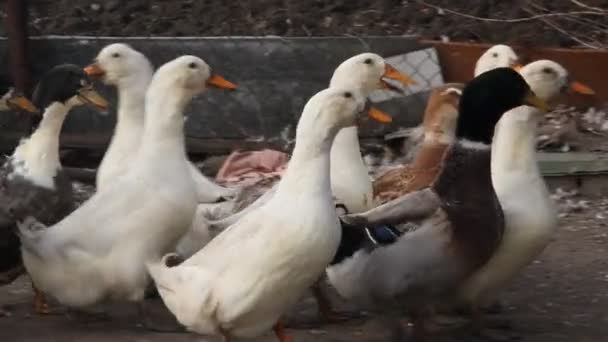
(429, 18)
(561, 297)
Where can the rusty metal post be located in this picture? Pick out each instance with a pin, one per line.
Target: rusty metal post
(16, 31)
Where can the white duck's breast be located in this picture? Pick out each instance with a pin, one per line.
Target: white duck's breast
(357, 196)
(530, 223)
(35, 165)
(527, 207)
(296, 248)
(111, 236)
(351, 184)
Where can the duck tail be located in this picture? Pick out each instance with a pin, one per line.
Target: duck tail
(30, 232)
(185, 290)
(160, 270)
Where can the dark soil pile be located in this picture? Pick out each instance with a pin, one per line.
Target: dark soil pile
(429, 18)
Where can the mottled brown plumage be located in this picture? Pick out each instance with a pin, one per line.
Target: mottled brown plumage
(470, 203)
(439, 129)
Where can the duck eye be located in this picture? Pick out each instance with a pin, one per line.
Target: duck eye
(368, 61)
(192, 65)
(348, 95)
(547, 70)
(115, 55)
(495, 55)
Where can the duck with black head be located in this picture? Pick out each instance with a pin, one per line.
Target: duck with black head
(100, 248)
(33, 183)
(460, 228)
(530, 215)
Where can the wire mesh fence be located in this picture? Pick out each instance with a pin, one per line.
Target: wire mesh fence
(275, 77)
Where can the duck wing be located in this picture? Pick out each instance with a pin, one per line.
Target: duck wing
(416, 205)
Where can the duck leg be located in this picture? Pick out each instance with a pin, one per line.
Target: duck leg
(279, 331)
(479, 328)
(145, 322)
(225, 337)
(41, 307)
(420, 327)
(326, 312)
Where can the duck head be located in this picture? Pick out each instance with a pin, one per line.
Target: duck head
(183, 78)
(13, 100)
(497, 56)
(549, 79)
(369, 72)
(120, 64)
(487, 97)
(335, 108)
(70, 86)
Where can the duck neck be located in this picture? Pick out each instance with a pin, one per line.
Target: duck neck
(43, 144)
(308, 169)
(164, 128)
(131, 106)
(346, 155)
(514, 143)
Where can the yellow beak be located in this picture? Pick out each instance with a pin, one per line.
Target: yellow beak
(532, 100)
(92, 97)
(21, 102)
(391, 73)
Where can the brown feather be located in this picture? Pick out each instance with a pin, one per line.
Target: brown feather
(439, 127)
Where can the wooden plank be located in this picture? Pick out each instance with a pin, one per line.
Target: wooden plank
(572, 163)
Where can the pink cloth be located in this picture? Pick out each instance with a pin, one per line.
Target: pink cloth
(248, 167)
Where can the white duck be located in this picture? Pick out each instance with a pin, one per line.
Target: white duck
(246, 278)
(350, 181)
(530, 216)
(495, 57)
(130, 71)
(99, 251)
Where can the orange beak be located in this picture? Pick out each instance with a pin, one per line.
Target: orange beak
(517, 67)
(218, 81)
(580, 88)
(94, 70)
(392, 73)
(379, 115)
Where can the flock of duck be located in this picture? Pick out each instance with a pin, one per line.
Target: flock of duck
(478, 205)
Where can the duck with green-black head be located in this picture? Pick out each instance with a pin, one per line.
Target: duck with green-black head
(32, 182)
(461, 219)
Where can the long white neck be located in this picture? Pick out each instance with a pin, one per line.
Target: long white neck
(350, 181)
(164, 124)
(514, 143)
(131, 104)
(346, 153)
(308, 169)
(40, 152)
